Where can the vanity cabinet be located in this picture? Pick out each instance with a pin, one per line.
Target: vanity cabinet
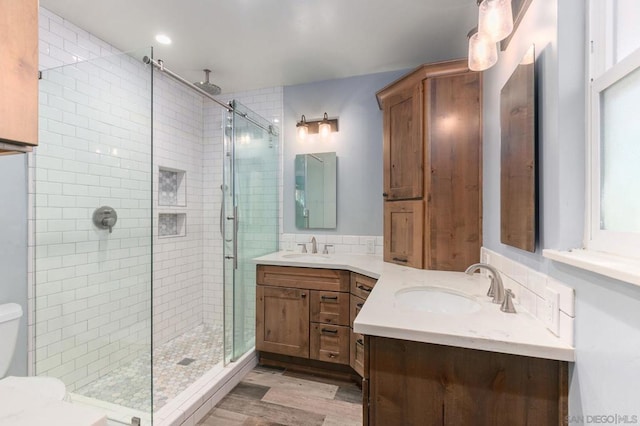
(19, 71)
(304, 316)
(361, 287)
(432, 145)
(303, 312)
(414, 383)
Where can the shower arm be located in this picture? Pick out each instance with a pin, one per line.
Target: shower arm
(159, 64)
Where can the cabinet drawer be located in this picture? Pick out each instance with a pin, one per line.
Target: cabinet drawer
(330, 307)
(356, 353)
(355, 306)
(307, 278)
(362, 285)
(330, 343)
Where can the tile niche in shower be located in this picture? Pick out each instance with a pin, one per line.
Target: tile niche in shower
(172, 187)
(172, 225)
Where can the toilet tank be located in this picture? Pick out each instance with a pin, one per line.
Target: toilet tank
(10, 314)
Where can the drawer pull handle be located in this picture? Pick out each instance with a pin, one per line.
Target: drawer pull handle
(332, 355)
(360, 342)
(364, 288)
(397, 259)
(326, 330)
(329, 297)
(359, 305)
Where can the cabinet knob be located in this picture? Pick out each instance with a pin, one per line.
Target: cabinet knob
(303, 295)
(384, 194)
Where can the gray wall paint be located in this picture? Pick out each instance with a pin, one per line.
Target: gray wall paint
(13, 247)
(605, 377)
(358, 145)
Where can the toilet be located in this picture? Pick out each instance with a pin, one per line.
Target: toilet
(28, 401)
(45, 387)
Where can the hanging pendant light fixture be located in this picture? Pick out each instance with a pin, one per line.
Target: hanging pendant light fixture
(495, 19)
(483, 53)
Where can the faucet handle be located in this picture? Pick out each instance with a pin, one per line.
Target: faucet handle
(326, 246)
(507, 305)
(304, 247)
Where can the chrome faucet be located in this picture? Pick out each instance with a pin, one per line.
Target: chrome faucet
(496, 290)
(314, 246)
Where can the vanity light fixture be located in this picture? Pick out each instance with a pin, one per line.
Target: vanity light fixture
(495, 19)
(324, 127)
(302, 128)
(483, 52)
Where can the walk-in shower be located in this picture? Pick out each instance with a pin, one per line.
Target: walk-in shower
(139, 314)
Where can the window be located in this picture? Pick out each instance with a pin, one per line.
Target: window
(613, 222)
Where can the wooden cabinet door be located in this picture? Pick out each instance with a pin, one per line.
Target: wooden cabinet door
(402, 145)
(412, 383)
(19, 71)
(453, 183)
(330, 343)
(403, 232)
(282, 320)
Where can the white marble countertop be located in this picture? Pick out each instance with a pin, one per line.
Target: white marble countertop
(487, 329)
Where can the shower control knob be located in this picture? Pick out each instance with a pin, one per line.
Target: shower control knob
(105, 217)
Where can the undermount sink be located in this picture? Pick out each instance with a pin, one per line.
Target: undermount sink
(436, 300)
(306, 256)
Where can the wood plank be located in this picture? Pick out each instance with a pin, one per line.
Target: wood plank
(301, 401)
(307, 278)
(330, 343)
(454, 192)
(414, 382)
(282, 320)
(403, 232)
(292, 383)
(270, 412)
(329, 307)
(402, 145)
(361, 285)
(19, 71)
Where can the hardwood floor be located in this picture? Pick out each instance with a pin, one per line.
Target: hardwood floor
(271, 396)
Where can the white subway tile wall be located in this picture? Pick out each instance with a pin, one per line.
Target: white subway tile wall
(529, 287)
(93, 296)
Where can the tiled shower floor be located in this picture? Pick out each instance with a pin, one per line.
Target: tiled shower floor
(176, 364)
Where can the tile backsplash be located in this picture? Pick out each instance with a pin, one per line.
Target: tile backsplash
(532, 289)
(356, 244)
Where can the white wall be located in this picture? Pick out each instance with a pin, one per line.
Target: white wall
(358, 146)
(13, 248)
(603, 381)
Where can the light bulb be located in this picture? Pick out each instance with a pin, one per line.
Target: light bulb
(483, 52)
(495, 19)
(324, 127)
(302, 128)
(303, 131)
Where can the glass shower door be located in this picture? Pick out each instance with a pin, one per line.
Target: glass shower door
(250, 219)
(92, 222)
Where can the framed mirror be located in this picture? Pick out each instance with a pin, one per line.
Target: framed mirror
(518, 157)
(315, 190)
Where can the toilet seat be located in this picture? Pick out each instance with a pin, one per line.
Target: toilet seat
(43, 387)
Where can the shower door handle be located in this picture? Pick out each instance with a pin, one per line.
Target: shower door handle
(234, 218)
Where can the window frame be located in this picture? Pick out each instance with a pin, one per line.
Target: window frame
(603, 73)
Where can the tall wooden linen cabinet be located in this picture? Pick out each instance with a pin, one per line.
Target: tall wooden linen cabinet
(432, 142)
(18, 75)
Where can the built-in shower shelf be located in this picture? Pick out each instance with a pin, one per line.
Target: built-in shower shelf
(172, 187)
(172, 225)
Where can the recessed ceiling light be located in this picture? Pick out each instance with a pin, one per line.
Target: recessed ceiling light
(161, 38)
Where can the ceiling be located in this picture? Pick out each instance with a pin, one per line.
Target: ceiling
(250, 44)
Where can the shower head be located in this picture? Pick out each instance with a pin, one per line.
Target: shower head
(207, 86)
